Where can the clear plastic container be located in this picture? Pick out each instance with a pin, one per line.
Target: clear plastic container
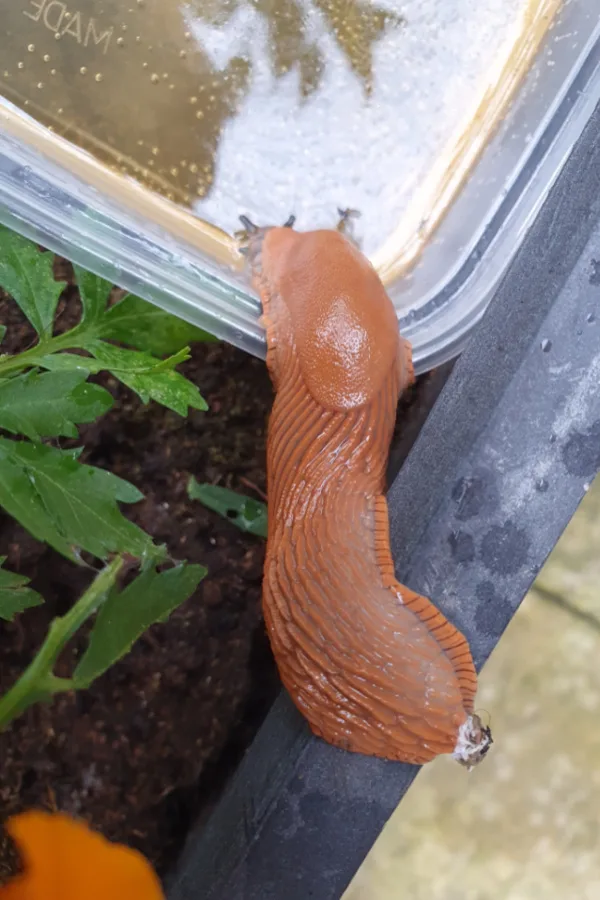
(133, 133)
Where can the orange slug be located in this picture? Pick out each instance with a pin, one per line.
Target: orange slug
(373, 667)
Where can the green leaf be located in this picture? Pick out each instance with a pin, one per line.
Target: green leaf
(248, 514)
(26, 274)
(69, 362)
(69, 505)
(50, 404)
(142, 325)
(38, 683)
(94, 292)
(14, 595)
(150, 378)
(2, 332)
(126, 615)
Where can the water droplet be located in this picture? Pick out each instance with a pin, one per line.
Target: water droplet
(155, 151)
(171, 87)
(187, 35)
(83, 70)
(193, 100)
(46, 57)
(542, 485)
(165, 76)
(98, 76)
(53, 72)
(31, 47)
(154, 78)
(120, 42)
(182, 54)
(591, 317)
(586, 487)
(193, 168)
(200, 114)
(6, 74)
(123, 27)
(546, 345)
(57, 36)
(60, 111)
(144, 65)
(20, 65)
(174, 171)
(40, 85)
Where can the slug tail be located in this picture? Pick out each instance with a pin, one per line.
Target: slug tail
(450, 639)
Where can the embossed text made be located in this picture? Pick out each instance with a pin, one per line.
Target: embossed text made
(58, 18)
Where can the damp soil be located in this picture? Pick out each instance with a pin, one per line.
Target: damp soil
(147, 749)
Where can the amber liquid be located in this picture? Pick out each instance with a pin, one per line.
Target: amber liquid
(272, 107)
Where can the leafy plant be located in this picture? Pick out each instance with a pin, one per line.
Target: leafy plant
(122, 617)
(74, 507)
(245, 512)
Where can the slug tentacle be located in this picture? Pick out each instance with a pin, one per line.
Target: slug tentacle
(373, 666)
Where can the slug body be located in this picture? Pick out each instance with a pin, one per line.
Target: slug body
(374, 667)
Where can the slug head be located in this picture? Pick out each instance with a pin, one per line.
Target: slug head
(322, 295)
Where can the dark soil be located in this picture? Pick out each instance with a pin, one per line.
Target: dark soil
(148, 747)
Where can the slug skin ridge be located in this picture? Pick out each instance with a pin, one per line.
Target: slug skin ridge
(374, 667)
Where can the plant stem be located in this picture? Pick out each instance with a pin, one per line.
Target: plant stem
(70, 340)
(38, 681)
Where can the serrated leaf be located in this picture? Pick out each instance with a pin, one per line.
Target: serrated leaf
(244, 512)
(69, 505)
(126, 615)
(69, 362)
(150, 378)
(142, 325)
(51, 404)
(26, 274)
(20, 500)
(94, 292)
(15, 596)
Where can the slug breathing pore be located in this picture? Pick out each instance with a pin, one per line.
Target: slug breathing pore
(374, 667)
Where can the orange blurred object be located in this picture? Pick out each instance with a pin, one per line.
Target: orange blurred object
(63, 859)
